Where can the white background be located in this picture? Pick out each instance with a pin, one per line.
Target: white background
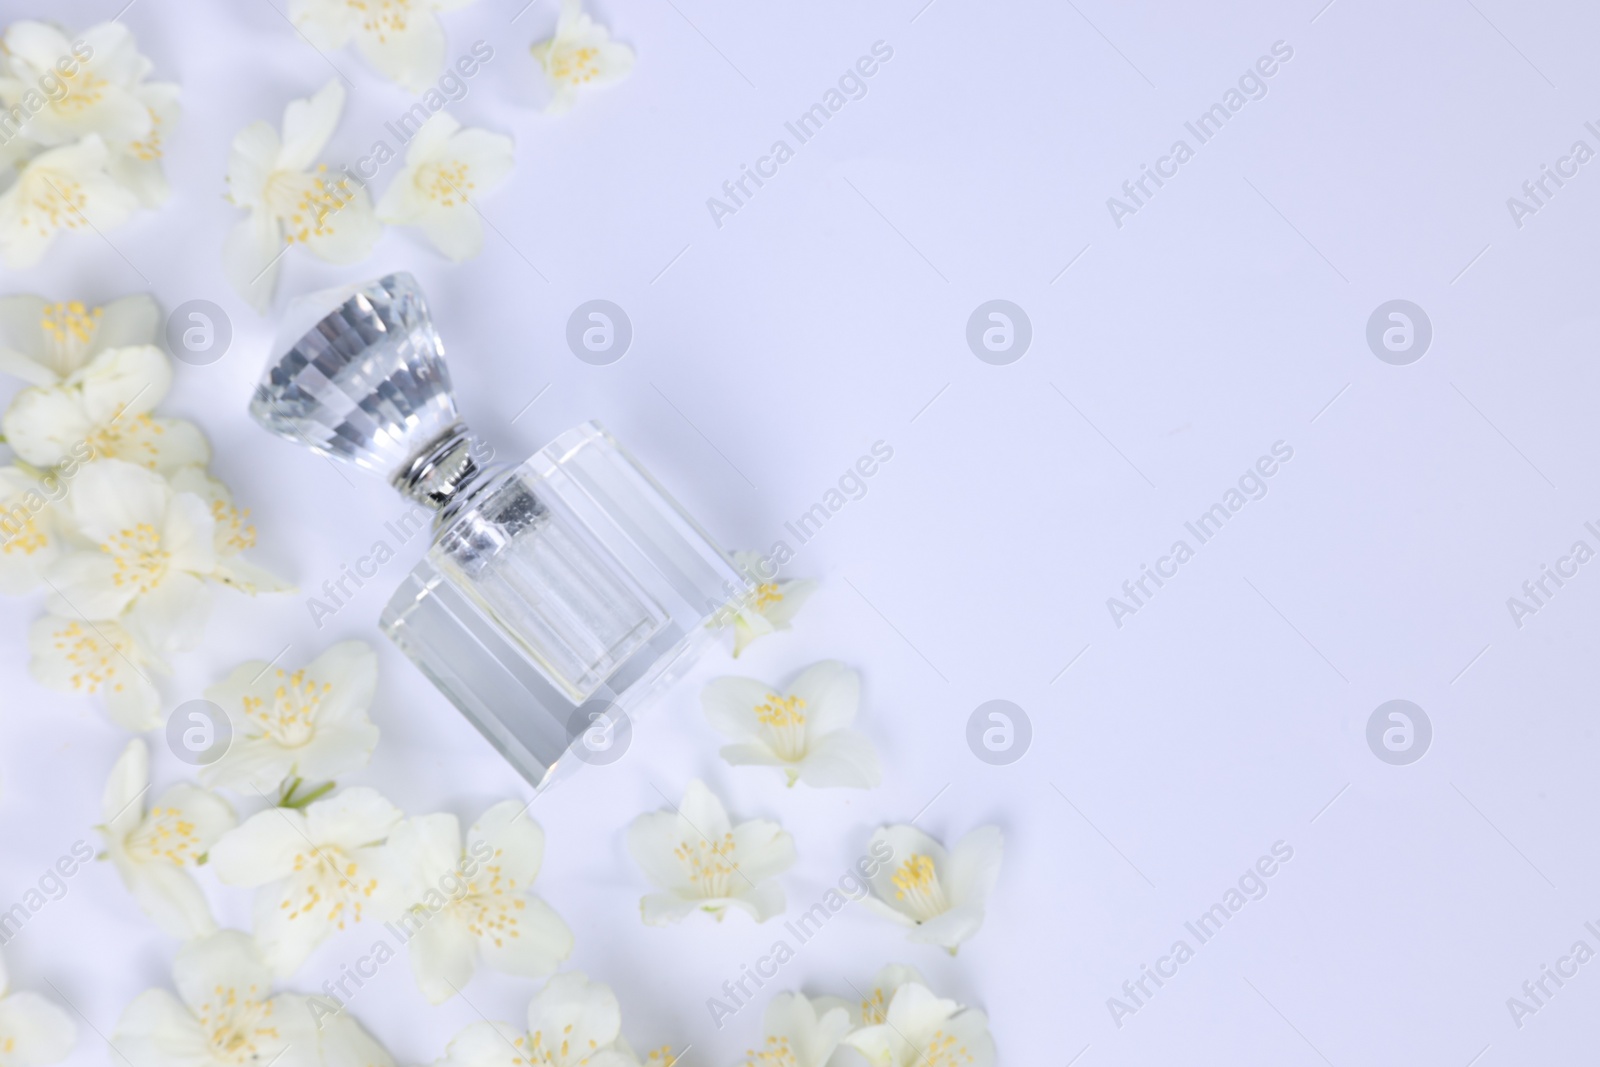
(829, 313)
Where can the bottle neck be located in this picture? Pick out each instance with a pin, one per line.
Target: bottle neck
(448, 471)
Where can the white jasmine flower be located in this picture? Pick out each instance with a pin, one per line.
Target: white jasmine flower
(922, 1030)
(445, 166)
(804, 731)
(79, 656)
(97, 96)
(309, 723)
(271, 177)
(30, 535)
(704, 863)
(234, 533)
(772, 605)
(33, 1030)
(65, 188)
(102, 410)
(224, 1014)
(136, 163)
(154, 851)
(152, 548)
(317, 869)
(873, 1006)
(475, 903)
(401, 38)
(797, 1033)
(581, 53)
(43, 342)
(572, 1022)
(940, 895)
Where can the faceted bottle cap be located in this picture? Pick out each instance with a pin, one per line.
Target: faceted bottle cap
(359, 375)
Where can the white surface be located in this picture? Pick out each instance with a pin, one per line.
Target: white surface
(810, 325)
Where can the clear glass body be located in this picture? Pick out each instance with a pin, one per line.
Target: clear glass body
(565, 587)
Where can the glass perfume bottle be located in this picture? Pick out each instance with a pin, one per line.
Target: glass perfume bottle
(558, 595)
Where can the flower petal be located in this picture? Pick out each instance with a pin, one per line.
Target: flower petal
(42, 424)
(663, 909)
(526, 938)
(651, 840)
(157, 1030)
(571, 1009)
(423, 851)
(763, 849)
(171, 898)
(307, 126)
(346, 233)
(250, 765)
(111, 496)
(252, 256)
(516, 841)
(730, 705)
(831, 692)
(443, 956)
(411, 55)
(132, 700)
(842, 759)
(123, 382)
(762, 901)
(251, 160)
(703, 811)
(121, 803)
(26, 349)
(37, 1030)
(207, 970)
(974, 865)
(950, 928)
(352, 818)
(261, 849)
(172, 616)
(485, 1044)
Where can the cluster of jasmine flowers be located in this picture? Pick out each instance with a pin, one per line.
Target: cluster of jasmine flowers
(290, 198)
(109, 512)
(81, 134)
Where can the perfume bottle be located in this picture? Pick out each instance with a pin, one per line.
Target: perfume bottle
(559, 595)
